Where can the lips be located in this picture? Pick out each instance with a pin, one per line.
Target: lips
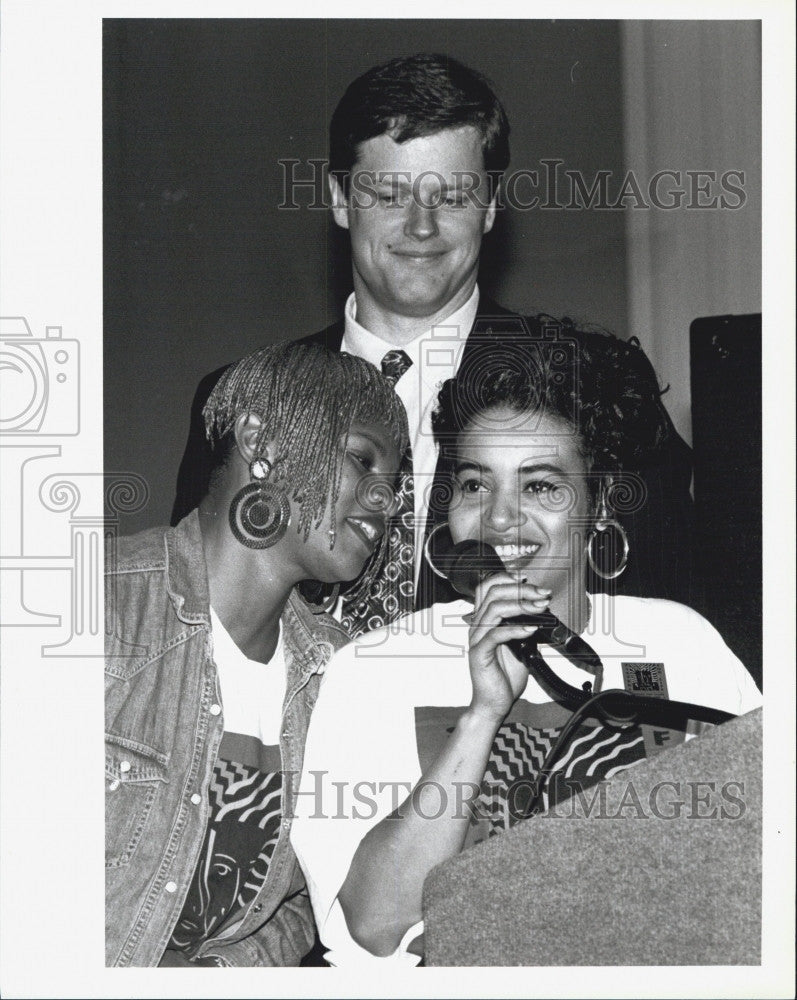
(515, 555)
(420, 256)
(368, 530)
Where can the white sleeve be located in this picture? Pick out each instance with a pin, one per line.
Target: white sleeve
(360, 763)
(720, 679)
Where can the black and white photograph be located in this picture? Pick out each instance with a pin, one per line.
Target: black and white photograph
(406, 429)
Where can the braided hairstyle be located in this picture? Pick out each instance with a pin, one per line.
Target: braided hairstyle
(307, 398)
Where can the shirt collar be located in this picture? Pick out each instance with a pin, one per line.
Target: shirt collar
(450, 332)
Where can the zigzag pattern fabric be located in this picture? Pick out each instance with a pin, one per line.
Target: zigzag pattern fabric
(519, 751)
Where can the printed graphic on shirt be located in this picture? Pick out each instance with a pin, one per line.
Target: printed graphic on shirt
(594, 753)
(245, 813)
(645, 678)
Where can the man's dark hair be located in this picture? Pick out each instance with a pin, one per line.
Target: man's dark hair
(416, 96)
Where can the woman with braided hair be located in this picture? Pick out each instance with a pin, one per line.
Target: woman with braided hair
(214, 657)
(469, 701)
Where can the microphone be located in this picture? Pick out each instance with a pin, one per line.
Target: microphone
(466, 565)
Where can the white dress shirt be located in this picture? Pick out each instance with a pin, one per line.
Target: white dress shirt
(435, 356)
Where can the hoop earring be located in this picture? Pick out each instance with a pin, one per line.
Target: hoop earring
(427, 548)
(260, 512)
(605, 523)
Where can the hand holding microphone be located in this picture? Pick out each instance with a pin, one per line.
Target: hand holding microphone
(504, 614)
(473, 568)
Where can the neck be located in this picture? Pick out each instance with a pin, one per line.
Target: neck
(396, 329)
(573, 609)
(570, 603)
(248, 587)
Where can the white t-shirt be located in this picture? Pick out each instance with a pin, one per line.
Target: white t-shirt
(252, 693)
(245, 794)
(389, 699)
(435, 355)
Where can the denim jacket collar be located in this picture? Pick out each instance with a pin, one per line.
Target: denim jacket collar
(186, 573)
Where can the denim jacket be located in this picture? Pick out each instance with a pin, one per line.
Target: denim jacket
(164, 723)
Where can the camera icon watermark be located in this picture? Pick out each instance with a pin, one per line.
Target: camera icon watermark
(39, 381)
(56, 521)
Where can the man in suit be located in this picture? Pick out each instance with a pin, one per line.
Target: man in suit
(417, 150)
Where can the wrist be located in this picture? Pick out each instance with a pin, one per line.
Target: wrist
(480, 720)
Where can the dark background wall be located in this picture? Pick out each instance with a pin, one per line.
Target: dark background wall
(201, 266)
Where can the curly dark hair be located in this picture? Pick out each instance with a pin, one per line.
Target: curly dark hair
(603, 387)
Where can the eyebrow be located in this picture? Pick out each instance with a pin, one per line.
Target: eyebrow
(396, 179)
(530, 466)
(364, 434)
(378, 445)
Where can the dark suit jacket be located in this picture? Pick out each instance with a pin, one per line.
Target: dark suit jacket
(660, 561)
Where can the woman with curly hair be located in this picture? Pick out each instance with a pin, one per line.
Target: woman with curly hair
(214, 658)
(542, 439)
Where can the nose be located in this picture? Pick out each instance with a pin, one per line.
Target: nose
(421, 222)
(502, 511)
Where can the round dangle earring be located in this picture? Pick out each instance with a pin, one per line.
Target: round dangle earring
(606, 528)
(260, 512)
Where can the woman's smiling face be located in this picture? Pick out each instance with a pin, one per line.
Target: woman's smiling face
(521, 485)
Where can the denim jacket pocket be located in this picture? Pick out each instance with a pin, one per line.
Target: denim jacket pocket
(134, 775)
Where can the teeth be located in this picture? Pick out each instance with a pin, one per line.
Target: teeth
(366, 527)
(515, 551)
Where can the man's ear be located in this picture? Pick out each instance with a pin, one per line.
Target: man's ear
(489, 215)
(247, 431)
(340, 206)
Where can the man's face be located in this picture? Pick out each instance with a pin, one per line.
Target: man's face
(416, 213)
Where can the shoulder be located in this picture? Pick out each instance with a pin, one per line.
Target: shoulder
(661, 613)
(701, 666)
(422, 632)
(308, 626)
(493, 320)
(144, 551)
(655, 619)
(679, 635)
(408, 659)
(331, 337)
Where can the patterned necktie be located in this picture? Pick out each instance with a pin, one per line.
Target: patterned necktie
(393, 594)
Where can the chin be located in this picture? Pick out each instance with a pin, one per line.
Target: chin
(347, 571)
(425, 302)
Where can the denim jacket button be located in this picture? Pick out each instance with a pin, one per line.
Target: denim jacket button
(124, 766)
(196, 799)
(171, 887)
(215, 709)
(114, 785)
